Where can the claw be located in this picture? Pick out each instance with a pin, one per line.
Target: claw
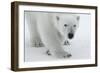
(69, 55)
(64, 56)
(66, 43)
(48, 52)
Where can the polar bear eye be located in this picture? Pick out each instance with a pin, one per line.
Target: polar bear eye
(65, 25)
(74, 25)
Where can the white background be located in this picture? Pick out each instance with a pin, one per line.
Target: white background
(5, 38)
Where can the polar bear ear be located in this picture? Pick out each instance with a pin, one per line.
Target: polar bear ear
(78, 17)
(57, 17)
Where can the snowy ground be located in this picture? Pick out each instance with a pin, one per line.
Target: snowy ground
(39, 54)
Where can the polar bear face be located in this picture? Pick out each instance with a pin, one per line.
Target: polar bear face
(67, 24)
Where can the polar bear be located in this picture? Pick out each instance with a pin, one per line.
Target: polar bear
(52, 30)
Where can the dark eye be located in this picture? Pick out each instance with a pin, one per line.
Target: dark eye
(74, 25)
(65, 25)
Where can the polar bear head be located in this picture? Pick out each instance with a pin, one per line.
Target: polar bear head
(67, 24)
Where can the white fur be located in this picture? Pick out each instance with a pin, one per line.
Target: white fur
(48, 29)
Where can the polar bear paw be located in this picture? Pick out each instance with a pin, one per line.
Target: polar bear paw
(60, 54)
(37, 43)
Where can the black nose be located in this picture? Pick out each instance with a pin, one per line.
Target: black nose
(70, 35)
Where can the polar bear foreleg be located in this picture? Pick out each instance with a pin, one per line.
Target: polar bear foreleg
(35, 40)
(54, 46)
